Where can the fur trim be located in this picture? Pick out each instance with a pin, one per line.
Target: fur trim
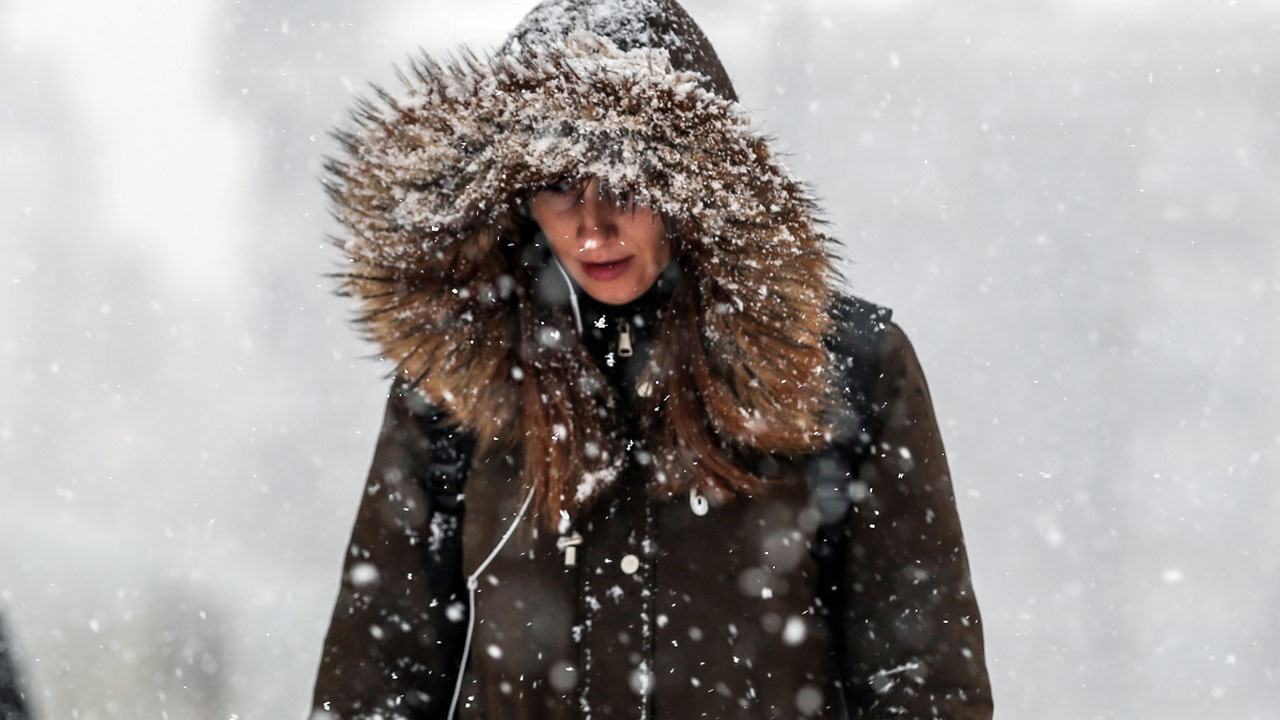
(432, 178)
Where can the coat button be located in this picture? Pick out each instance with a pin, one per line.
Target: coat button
(630, 564)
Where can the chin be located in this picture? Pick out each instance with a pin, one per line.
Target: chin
(615, 298)
(615, 292)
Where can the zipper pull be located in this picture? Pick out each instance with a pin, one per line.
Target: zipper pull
(569, 546)
(624, 340)
(698, 503)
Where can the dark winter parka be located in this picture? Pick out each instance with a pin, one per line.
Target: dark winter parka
(655, 596)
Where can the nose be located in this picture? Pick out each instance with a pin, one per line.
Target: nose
(597, 223)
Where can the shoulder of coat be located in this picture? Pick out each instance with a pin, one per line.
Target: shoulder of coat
(858, 328)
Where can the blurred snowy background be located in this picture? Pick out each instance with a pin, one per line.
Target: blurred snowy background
(1073, 206)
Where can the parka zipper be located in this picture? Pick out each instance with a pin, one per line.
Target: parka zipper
(624, 339)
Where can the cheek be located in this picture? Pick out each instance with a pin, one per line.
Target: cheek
(553, 226)
(547, 221)
(562, 248)
(659, 252)
(648, 237)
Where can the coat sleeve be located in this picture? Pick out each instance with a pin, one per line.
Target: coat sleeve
(394, 642)
(12, 697)
(912, 629)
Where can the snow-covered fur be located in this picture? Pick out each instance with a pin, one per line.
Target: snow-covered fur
(430, 190)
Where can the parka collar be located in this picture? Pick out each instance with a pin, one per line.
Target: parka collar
(602, 322)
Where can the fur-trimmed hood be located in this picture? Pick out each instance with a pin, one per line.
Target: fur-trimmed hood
(429, 190)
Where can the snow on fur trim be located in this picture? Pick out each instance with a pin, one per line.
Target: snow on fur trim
(432, 178)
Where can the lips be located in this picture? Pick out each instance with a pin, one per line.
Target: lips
(605, 271)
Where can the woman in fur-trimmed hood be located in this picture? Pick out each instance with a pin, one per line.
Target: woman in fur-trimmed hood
(641, 459)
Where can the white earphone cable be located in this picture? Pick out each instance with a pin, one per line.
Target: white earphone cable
(473, 581)
(573, 294)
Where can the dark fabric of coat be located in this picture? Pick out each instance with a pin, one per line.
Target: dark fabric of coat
(720, 621)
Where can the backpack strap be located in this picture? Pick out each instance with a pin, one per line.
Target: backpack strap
(443, 462)
(855, 347)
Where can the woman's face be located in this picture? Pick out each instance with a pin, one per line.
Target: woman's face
(614, 253)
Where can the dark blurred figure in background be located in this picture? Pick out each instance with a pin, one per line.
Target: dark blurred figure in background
(12, 698)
